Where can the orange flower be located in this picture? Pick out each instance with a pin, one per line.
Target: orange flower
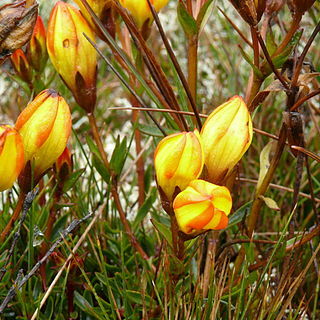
(202, 206)
(178, 160)
(45, 126)
(72, 54)
(11, 156)
(37, 48)
(21, 65)
(226, 136)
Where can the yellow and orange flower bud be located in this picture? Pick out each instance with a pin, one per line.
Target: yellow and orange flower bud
(37, 48)
(101, 8)
(140, 10)
(45, 126)
(178, 160)
(202, 206)
(226, 136)
(64, 165)
(72, 54)
(21, 65)
(11, 156)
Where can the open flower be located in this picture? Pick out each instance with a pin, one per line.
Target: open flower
(202, 206)
(178, 160)
(11, 156)
(45, 126)
(226, 136)
(72, 54)
(140, 10)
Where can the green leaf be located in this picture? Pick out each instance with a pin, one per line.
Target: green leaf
(270, 43)
(279, 60)
(264, 162)
(270, 203)
(187, 22)
(144, 209)
(84, 305)
(204, 14)
(138, 298)
(162, 229)
(248, 59)
(152, 131)
(59, 226)
(119, 156)
(100, 167)
(73, 179)
(239, 214)
(92, 146)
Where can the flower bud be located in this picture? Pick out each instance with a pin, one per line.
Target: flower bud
(140, 10)
(11, 156)
(64, 165)
(71, 53)
(102, 8)
(37, 48)
(21, 65)
(202, 206)
(45, 126)
(178, 160)
(226, 136)
(16, 26)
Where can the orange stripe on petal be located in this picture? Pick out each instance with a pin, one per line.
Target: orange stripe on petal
(223, 222)
(202, 219)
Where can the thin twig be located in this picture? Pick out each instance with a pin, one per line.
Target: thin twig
(282, 188)
(304, 99)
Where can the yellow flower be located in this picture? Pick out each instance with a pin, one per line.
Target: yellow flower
(202, 206)
(72, 54)
(226, 136)
(100, 7)
(178, 160)
(45, 126)
(140, 10)
(11, 156)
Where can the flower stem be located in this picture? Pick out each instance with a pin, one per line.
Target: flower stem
(114, 189)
